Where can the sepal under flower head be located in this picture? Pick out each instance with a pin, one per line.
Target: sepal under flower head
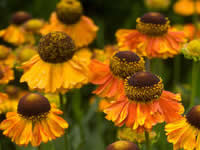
(192, 50)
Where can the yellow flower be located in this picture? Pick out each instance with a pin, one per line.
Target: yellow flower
(68, 18)
(186, 7)
(34, 122)
(6, 74)
(34, 25)
(25, 53)
(185, 132)
(59, 67)
(15, 33)
(122, 145)
(192, 50)
(157, 4)
(6, 56)
(133, 136)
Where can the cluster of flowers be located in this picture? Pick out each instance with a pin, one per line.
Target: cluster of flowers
(132, 96)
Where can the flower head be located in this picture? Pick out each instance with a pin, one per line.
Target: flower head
(153, 37)
(56, 47)
(6, 56)
(110, 76)
(192, 50)
(34, 25)
(185, 132)
(58, 67)
(34, 122)
(157, 4)
(122, 145)
(69, 11)
(20, 17)
(144, 103)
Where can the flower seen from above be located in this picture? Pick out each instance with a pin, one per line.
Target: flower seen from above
(153, 37)
(144, 103)
(59, 67)
(68, 18)
(34, 122)
(185, 132)
(110, 76)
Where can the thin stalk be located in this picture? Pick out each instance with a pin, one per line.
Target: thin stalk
(177, 70)
(195, 71)
(61, 97)
(147, 141)
(148, 64)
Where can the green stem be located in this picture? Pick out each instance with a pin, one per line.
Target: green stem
(148, 65)
(177, 70)
(195, 71)
(148, 142)
(61, 97)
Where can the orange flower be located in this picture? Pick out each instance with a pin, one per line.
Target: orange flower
(34, 122)
(110, 77)
(57, 69)
(185, 132)
(80, 28)
(6, 74)
(186, 7)
(145, 103)
(153, 38)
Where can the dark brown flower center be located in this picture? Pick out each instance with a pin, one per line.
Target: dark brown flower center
(153, 24)
(154, 18)
(126, 63)
(69, 11)
(143, 87)
(122, 145)
(193, 116)
(20, 17)
(12, 91)
(56, 47)
(143, 79)
(33, 105)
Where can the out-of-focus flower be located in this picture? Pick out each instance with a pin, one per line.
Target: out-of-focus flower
(68, 18)
(58, 67)
(34, 25)
(25, 53)
(185, 132)
(6, 74)
(15, 33)
(153, 37)
(192, 50)
(122, 145)
(6, 56)
(110, 76)
(34, 122)
(106, 54)
(144, 103)
(186, 7)
(157, 4)
(13, 95)
(133, 136)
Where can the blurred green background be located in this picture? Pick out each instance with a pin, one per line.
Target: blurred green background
(88, 128)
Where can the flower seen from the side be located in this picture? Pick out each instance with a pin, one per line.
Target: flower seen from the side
(157, 4)
(192, 50)
(144, 103)
(109, 76)
(153, 37)
(69, 18)
(185, 132)
(15, 32)
(6, 56)
(59, 67)
(6, 74)
(35, 121)
(122, 145)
